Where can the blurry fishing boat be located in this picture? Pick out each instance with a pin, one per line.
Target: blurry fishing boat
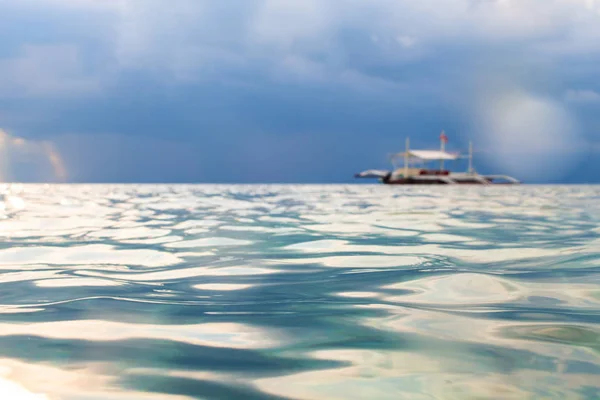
(418, 171)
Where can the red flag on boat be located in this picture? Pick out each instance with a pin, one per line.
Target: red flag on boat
(443, 137)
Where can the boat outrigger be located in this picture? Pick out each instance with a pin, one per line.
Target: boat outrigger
(409, 174)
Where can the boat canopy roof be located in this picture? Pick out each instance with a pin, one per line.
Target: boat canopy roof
(430, 155)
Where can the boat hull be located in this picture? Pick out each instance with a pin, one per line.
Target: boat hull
(434, 182)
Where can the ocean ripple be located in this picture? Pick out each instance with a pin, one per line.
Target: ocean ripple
(299, 292)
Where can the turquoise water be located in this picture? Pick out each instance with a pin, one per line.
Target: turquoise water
(299, 292)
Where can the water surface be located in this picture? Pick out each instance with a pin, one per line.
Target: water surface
(299, 292)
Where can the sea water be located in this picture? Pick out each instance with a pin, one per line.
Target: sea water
(299, 292)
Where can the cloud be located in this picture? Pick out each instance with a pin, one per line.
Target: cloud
(40, 71)
(200, 73)
(292, 25)
(406, 41)
(582, 96)
(199, 35)
(204, 40)
(82, 4)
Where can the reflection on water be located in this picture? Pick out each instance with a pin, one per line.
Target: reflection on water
(299, 292)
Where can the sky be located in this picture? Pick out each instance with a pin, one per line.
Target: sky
(299, 91)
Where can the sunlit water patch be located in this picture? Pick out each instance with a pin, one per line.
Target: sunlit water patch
(299, 292)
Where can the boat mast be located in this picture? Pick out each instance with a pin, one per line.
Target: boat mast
(470, 157)
(442, 148)
(406, 157)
